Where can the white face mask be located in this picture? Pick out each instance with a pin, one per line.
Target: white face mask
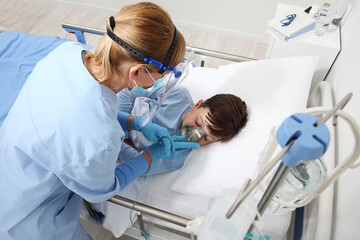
(141, 90)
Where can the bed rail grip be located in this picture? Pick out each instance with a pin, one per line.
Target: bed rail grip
(199, 51)
(154, 212)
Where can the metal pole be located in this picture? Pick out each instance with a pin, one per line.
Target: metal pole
(280, 175)
(236, 204)
(275, 183)
(200, 51)
(339, 105)
(220, 55)
(141, 224)
(155, 212)
(261, 176)
(83, 28)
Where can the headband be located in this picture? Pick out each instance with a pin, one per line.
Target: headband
(162, 66)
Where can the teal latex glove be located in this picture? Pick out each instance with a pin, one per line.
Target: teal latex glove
(153, 133)
(158, 150)
(179, 144)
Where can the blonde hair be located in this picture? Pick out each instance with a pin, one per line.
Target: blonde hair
(147, 28)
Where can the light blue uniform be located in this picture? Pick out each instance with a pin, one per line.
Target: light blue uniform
(168, 115)
(58, 144)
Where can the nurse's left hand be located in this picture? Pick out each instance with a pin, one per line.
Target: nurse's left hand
(153, 132)
(158, 150)
(179, 144)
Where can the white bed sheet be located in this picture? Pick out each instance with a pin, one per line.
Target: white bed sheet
(155, 193)
(160, 196)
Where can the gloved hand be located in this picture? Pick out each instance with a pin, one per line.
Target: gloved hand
(158, 150)
(153, 132)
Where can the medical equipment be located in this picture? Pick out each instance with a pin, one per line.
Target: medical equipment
(288, 135)
(172, 80)
(303, 137)
(192, 133)
(302, 180)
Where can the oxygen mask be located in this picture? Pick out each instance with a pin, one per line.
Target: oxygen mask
(192, 133)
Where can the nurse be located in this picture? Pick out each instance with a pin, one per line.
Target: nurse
(60, 141)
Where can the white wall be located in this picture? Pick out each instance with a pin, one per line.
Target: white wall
(345, 78)
(231, 17)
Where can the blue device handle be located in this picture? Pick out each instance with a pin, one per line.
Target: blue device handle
(311, 141)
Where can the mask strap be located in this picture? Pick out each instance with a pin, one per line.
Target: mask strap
(149, 74)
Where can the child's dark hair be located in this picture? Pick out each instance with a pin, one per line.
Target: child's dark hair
(228, 114)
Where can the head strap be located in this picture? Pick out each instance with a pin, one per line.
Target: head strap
(162, 66)
(170, 51)
(125, 45)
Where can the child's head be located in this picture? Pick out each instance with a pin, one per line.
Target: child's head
(221, 116)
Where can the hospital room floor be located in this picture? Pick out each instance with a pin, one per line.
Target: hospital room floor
(45, 17)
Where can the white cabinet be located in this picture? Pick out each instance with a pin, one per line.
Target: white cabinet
(325, 47)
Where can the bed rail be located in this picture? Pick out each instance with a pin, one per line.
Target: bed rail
(151, 211)
(79, 31)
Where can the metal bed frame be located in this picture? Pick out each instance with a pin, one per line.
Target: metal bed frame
(79, 31)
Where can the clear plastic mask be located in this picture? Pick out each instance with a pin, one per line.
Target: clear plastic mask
(192, 133)
(177, 74)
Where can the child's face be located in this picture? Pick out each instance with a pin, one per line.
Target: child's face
(198, 117)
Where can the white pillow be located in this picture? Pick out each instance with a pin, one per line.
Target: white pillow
(273, 90)
(201, 82)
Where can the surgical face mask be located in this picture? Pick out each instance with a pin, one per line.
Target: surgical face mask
(137, 89)
(141, 90)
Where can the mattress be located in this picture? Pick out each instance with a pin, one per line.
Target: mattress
(157, 193)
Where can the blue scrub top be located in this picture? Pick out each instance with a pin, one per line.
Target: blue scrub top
(169, 115)
(58, 144)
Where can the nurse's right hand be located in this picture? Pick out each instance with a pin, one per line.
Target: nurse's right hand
(159, 150)
(153, 132)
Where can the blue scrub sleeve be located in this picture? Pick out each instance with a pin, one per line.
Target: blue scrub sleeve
(129, 171)
(127, 153)
(126, 100)
(122, 118)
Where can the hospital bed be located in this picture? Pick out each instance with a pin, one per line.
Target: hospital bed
(182, 194)
(168, 203)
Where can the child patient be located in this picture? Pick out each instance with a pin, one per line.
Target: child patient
(221, 117)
